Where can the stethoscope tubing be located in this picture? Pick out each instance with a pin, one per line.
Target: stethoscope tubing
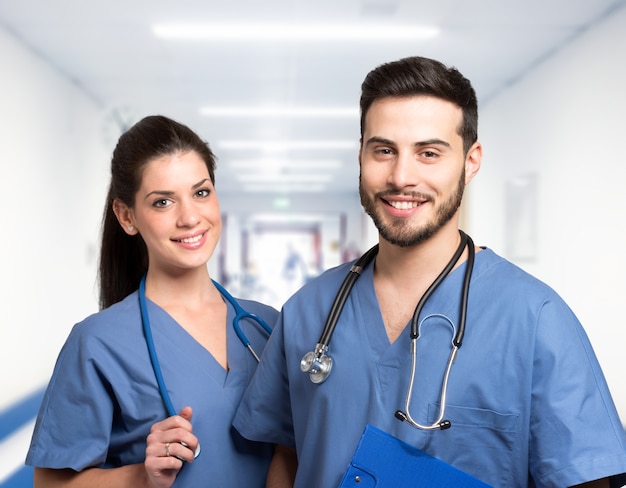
(147, 330)
(240, 313)
(457, 340)
(343, 293)
(319, 364)
(460, 332)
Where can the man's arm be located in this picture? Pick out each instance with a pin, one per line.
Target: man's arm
(602, 483)
(282, 470)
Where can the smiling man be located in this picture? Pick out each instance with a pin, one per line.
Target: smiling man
(524, 404)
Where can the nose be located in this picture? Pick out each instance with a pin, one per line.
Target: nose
(404, 171)
(188, 215)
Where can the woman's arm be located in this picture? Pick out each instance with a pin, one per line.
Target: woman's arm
(131, 475)
(169, 444)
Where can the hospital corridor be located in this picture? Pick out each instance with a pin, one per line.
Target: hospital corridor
(274, 88)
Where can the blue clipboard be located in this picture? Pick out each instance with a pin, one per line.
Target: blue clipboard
(382, 461)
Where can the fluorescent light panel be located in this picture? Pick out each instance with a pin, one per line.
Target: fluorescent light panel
(275, 111)
(270, 164)
(283, 178)
(284, 188)
(287, 145)
(294, 32)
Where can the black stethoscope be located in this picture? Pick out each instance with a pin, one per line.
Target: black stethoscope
(319, 364)
(240, 314)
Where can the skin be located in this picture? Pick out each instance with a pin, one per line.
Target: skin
(413, 172)
(177, 213)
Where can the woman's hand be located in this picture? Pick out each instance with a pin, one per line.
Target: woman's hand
(169, 444)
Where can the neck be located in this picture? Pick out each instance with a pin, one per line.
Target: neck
(412, 267)
(189, 288)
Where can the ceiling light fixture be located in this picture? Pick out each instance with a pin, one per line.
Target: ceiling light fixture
(284, 178)
(269, 164)
(284, 188)
(301, 32)
(287, 145)
(295, 112)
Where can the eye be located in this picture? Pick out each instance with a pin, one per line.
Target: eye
(382, 152)
(203, 193)
(429, 155)
(162, 203)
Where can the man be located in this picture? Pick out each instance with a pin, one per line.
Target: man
(526, 399)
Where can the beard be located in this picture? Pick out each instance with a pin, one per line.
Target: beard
(401, 232)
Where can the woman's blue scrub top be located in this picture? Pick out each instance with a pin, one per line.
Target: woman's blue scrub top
(103, 396)
(527, 400)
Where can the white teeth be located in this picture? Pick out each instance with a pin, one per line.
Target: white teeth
(404, 205)
(190, 240)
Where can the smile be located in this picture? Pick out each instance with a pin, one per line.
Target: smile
(190, 240)
(404, 205)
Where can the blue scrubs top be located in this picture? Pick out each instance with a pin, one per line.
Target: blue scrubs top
(103, 396)
(528, 403)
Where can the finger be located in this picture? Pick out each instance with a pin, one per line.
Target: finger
(162, 470)
(173, 422)
(180, 451)
(186, 413)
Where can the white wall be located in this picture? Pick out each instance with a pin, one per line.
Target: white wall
(52, 186)
(566, 122)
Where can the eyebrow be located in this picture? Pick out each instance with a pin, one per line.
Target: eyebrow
(427, 142)
(200, 183)
(379, 140)
(168, 193)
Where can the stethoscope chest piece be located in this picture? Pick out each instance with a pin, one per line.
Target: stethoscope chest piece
(317, 363)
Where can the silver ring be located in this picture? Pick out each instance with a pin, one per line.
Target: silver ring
(167, 449)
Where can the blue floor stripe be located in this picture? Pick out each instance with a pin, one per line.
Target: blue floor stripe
(20, 413)
(21, 479)
(11, 419)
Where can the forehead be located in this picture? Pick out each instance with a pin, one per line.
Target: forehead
(418, 115)
(178, 167)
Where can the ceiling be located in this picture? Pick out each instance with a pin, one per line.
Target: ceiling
(110, 51)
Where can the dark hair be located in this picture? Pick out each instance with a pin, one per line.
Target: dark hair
(124, 258)
(422, 76)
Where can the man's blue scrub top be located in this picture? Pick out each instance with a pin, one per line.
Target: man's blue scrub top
(103, 396)
(526, 396)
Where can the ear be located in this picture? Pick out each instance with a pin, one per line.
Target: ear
(125, 217)
(472, 161)
(360, 150)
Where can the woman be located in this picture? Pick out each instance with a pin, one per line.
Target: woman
(101, 420)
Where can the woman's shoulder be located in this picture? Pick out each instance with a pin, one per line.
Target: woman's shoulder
(112, 321)
(258, 308)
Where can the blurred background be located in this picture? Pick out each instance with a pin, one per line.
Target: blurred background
(273, 86)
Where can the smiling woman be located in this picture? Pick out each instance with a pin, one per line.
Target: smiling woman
(161, 225)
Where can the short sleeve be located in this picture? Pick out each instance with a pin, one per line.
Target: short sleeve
(74, 422)
(265, 411)
(575, 433)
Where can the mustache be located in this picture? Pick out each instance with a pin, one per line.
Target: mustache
(399, 193)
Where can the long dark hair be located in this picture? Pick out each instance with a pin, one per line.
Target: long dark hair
(423, 76)
(124, 258)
